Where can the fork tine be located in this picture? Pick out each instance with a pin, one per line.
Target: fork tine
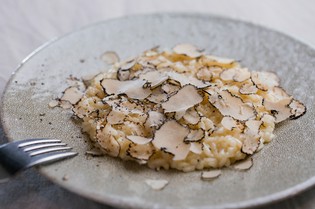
(46, 145)
(46, 150)
(51, 157)
(36, 141)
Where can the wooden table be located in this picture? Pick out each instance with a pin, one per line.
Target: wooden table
(25, 25)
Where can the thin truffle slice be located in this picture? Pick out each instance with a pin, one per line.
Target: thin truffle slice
(252, 138)
(185, 98)
(206, 124)
(253, 126)
(115, 117)
(297, 109)
(155, 119)
(72, 95)
(152, 52)
(248, 88)
(132, 88)
(88, 79)
(265, 80)
(231, 105)
(241, 74)
(156, 184)
(187, 49)
(154, 78)
(191, 116)
(220, 60)
(170, 138)
(141, 152)
(170, 88)
(185, 80)
(65, 104)
(235, 74)
(139, 139)
(228, 74)
(208, 175)
(280, 109)
(53, 103)
(196, 147)
(110, 57)
(157, 96)
(179, 114)
(94, 152)
(123, 75)
(278, 92)
(250, 144)
(230, 123)
(244, 164)
(128, 64)
(195, 135)
(204, 74)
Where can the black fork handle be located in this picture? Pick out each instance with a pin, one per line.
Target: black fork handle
(12, 160)
(4, 175)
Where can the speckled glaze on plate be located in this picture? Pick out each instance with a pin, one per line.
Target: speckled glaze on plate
(281, 169)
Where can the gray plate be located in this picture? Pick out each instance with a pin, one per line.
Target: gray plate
(281, 169)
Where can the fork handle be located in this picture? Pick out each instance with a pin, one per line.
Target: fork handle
(13, 162)
(4, 175)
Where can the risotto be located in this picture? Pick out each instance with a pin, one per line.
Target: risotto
(180, 109)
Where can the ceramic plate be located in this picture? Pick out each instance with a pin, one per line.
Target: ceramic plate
(281, 169)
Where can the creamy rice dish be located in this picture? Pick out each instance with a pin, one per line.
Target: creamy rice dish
(180, 109)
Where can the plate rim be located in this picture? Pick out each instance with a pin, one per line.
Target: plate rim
(116, 202)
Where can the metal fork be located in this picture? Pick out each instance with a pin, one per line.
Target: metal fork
(19, 155)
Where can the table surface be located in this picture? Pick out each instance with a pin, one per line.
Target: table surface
(25, 25)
